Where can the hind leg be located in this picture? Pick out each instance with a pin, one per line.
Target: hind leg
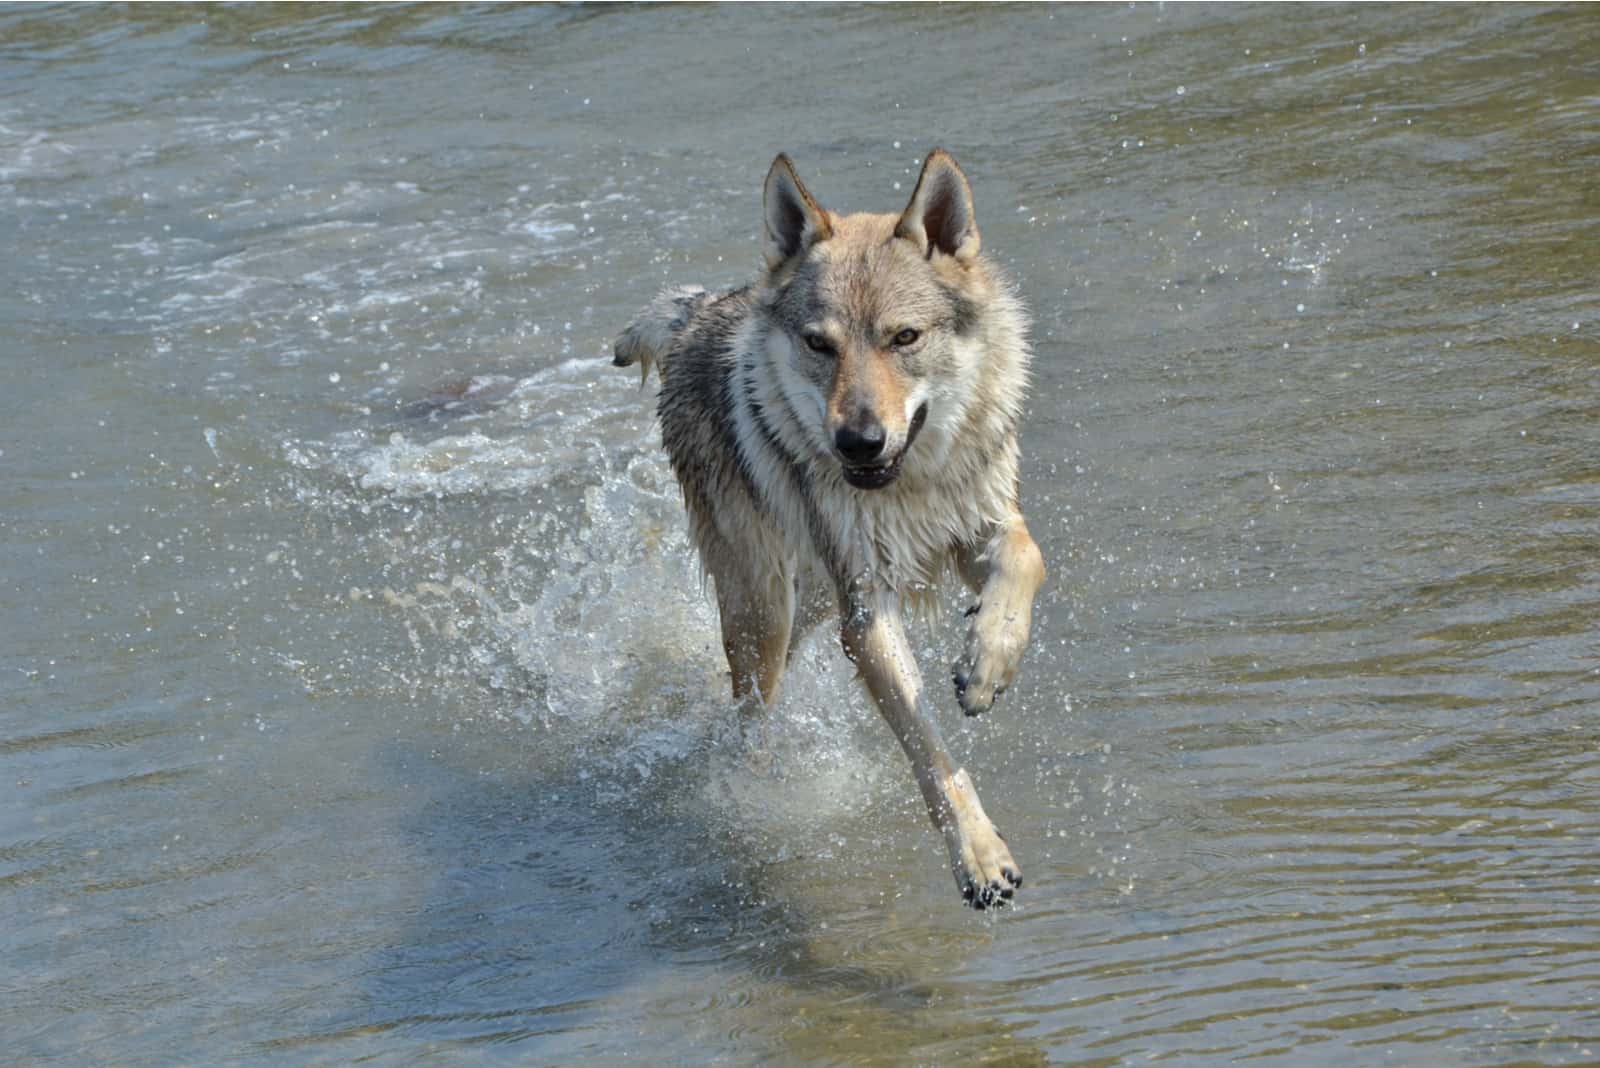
(756, 620)
(814, 604)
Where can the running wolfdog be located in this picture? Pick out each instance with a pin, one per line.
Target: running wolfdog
(843, 430)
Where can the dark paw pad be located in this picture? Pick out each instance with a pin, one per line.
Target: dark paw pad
(992, 895)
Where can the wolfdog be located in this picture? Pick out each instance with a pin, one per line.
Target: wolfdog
(844, 430)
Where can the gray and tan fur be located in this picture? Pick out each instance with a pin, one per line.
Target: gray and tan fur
(845, 430)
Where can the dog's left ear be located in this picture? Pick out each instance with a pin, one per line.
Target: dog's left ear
(794, 220)
(940, 215)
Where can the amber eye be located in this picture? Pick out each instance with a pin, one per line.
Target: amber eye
(819, 344)
(906, 337)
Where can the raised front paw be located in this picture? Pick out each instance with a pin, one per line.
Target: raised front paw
(993, 654)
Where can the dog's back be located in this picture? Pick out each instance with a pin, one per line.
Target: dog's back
(691, 338)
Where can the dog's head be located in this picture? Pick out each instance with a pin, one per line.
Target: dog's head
(874, 317)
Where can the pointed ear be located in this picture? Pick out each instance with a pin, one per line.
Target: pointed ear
(794, 221)
(940, 215)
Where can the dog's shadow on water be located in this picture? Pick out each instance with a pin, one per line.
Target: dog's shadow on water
(573, 914)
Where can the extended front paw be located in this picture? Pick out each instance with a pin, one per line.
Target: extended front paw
(986, 874)
(989, 664)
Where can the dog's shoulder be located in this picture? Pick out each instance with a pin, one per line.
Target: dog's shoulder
(706, 347)
(715, 319)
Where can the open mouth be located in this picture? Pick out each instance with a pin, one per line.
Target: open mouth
(874, 477)
(877, 476)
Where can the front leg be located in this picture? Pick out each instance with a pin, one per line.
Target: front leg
(875, 640)
(1005, 571)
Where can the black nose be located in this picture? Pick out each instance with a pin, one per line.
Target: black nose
(860, 444)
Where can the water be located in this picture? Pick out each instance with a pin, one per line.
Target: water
(360, 700)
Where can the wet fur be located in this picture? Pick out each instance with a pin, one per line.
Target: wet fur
(752, 419)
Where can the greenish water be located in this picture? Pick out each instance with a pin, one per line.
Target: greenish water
(358, 699)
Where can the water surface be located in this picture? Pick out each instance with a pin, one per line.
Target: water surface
(358, 697)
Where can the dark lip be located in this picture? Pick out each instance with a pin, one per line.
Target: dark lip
(875, 477)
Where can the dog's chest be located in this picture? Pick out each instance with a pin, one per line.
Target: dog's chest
(904, 535)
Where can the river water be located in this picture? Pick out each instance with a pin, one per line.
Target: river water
(358, 697)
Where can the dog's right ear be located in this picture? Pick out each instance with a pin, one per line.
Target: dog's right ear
(795, 222)
(940, 216)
